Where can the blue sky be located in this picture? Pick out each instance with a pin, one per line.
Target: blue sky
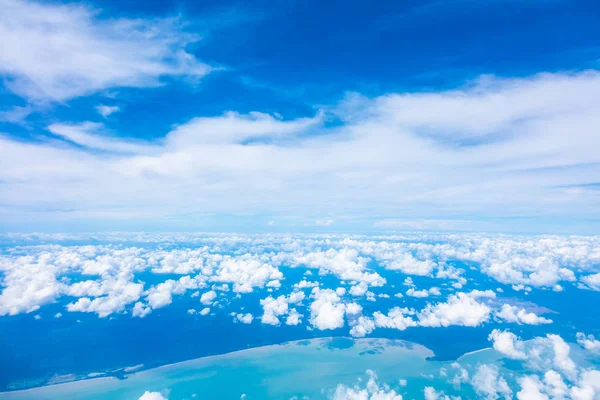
(300, 116)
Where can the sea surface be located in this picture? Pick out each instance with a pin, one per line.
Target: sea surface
(305, 368)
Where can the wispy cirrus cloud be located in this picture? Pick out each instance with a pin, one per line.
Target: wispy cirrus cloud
(497, 148)
(54, 52)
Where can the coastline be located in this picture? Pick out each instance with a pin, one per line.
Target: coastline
(93, 380)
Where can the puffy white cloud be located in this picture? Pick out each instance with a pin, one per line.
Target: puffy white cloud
(518, 315)
(592, 281)
(140, 310)
(412, 292)
(205, 311)
(207, 298)
(417, 293)
(345, 263)
(304, 284)
(293, 318)
(245, 318)
(431, 394)
(588, 386)
(373, 390)
(152, 396)
(273, 308)
(246, 272)
(531, 389)
(561, 359)
(353, 309)
(396, 319)
(540, 353)
(326, 311)
(489, 385)
(161, 294)
(362, 326)
(276, 307)
(589, 342)
(555, 386)
(459, 309)
(508, 344)
(122, 294)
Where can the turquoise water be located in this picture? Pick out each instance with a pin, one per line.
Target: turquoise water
(311, 368)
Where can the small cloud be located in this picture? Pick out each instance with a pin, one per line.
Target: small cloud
(324, 222)
(271, 223)
(15, 115)
(106, 111)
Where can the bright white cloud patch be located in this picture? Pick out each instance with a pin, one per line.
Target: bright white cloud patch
(373, 390)
(105, 110)
(152, 396)
(479, 136)
(518, 315)
(59, 51)
(346, 290)
(589, 342)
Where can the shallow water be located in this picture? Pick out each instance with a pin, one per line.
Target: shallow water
(310, 368)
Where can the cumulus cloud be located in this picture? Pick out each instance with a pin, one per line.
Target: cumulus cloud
(152, 396)
(245, 318)
(540, 353)
(208, 297)
(518, 315)
(205, 311)
(489, 385)
(326, 311)
(274, 308)
(373, 390)
(588, 342)
(508, 344)
(459, 309)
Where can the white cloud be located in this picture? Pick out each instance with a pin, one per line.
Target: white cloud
(326, 311)
(293, 318)
(430, 393)
(362, 326)
(123, 294)
(396, 319)
(508, 344)
(588, 342)
(59, 51)
(593, 281)
(373, 390)
(205, 311)
(539, 354)
(106, 111)
(273, 308)
(208, 297)
(152, 396)
(412, 292)
(489, 385)
(519, 315)
(140, 310)
(511, 157)
(531, 389)
(459, 309)
(245, 318)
